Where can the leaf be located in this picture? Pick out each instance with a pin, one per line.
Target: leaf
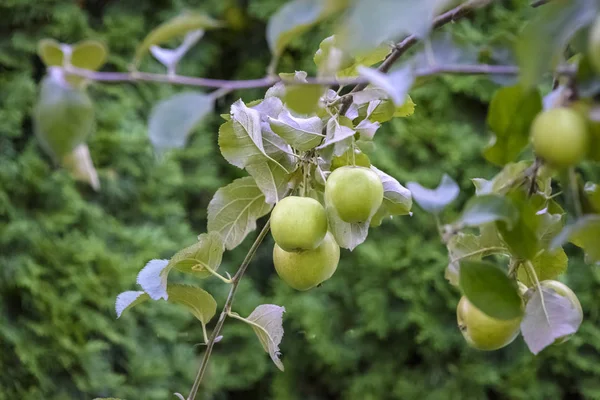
(522, 237)
(405, 110)
(540, 330)
(270, 318)
(303, 98)
(153, 279)
(234, 209)
(271, 179)
(548, 266)
(329, 58)
(464, 247)
(127, 300)
(301, 133)
(397, 200)
(591, 192)
(170, 57)
(365, 59)
(297, 17)
(396, 83)
(89, 54)
(206, 252)
(173, 28)
(50, 52)
(79, 163)
(435, 200)
(584, 233)
(241, 139)
(367, 129)
(338, 131)
(503, 181)
(370, 23)
(347, 235)
(198, 301)
(484, 209)
(63, 116)
(547, 36)
(173, 119)
(512, 110)
(489, 289)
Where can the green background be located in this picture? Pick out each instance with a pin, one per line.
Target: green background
(382, 328)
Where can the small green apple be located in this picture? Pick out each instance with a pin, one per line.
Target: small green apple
(306, 269)
(564, 291)
(560, 137)
(298, 223)
(482, 331)
(355, 192)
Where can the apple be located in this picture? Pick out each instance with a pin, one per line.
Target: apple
(298, 223)
(482, 331)
(306, 269)
(355, 192)
(560, 137)
(564, 291)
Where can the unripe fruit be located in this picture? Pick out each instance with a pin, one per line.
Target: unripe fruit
(306, 269)
(594, 45)
(564, 291)
(560, 137)
(355, 192)
(482, 331)
(298, 223)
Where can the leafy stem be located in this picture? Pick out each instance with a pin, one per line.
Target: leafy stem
(235, 281)
(251, 323)
(491, 250)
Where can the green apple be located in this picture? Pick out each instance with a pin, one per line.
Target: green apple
(355, 192)
(298, 223)
(564, 291)
(306, 269)
(594, 45)
(482, 331)
(560, 137)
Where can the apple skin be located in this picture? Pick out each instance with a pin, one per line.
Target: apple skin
(483, 332)
(560, 137)
(355, 192)
(594, 45)
(565, 291)
(298, 223)
(306, 269)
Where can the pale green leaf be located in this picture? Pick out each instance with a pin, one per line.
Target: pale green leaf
(301, 133)
(405, 110)
(489, 289)
(50, 52)
(521, 236)
(396, 83)
(397, 200)
(484, 209)
(584, 233)
(198, 301)
(206, 252)
(347, 235)
(270, 318)
(89, 54)
(81, 167)
(234, 209)
(170, 57)
(503, 181)
(270, 178)
(174, 28)
(461, 247)
(129, 299)
(339, 132)
(366, 59)
(434, 200)
(548, 265)
(303, 99)
(297, 17)
(172, 120)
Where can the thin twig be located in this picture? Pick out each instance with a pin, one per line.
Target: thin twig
(539, 3)
(235, 281)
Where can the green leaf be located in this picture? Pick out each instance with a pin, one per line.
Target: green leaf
(434, 200)
(301, 133)
(592, 195)
(81, 167)
(397, 200)
(198, 301)
(367, 59)
(548, 316)
(405, 110)
(540, 46)
(511, 113)
(173, 119)
(548, 265)
(171, 57)
(503, 181)
(270, 318)
(303, 99)
(63, 117)
(584, 233)
(129, 299)
(206, 252)
(467, 247)
(339, 132)
(484, 209)
(367, 129)
(522, 238)
(174, 28)
(329, 58)
(489, 289)
(396, 83)
(50, 52)
(234, 209)
(270, 178)
(373, 22)
(89, 54)
(297, 17)
(241, 140)
(347, 235)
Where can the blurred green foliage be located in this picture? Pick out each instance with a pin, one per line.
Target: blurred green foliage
(382, 328)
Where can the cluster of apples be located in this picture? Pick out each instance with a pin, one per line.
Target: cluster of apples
(486, 333)
(306, 253)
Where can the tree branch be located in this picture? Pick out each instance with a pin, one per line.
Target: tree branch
(235, 281)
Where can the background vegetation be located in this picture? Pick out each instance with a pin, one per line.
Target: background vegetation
(383, 327)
